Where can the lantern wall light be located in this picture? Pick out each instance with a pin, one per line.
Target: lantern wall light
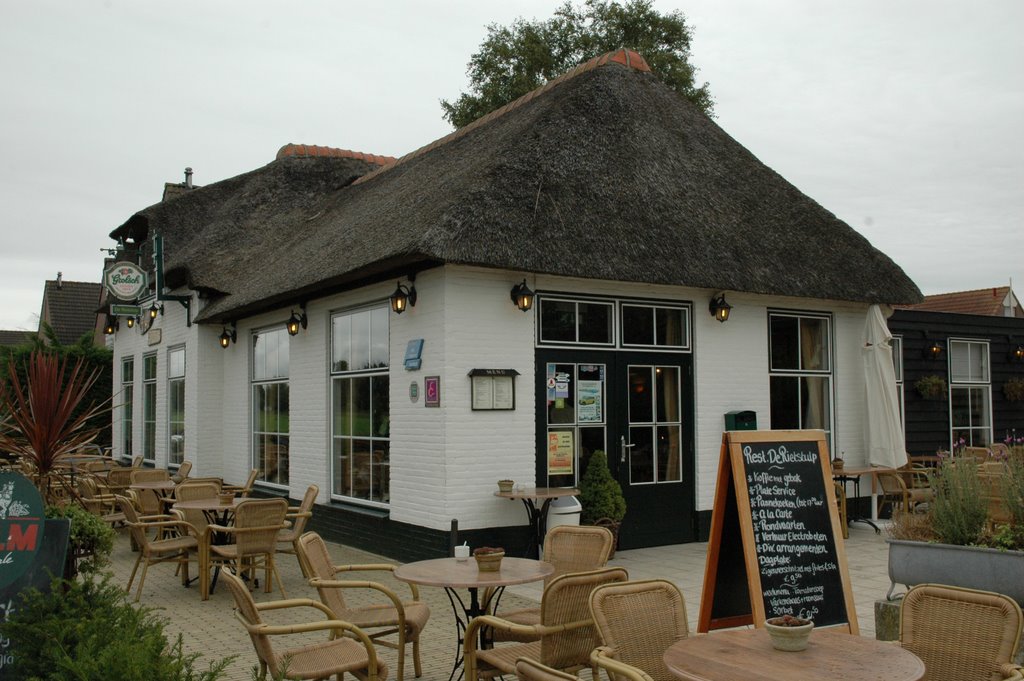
(297, 320)
(111, 326)
(1017, 354)
(933, 349)
(404, 297)
(718, 308)
(129, 322)
(155, 309)
(227, 337)
(522, 296)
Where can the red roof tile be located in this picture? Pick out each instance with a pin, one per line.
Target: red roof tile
(985, 301)
(315, 150)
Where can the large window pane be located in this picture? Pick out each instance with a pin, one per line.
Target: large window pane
(641, 455)
(595, 322)
(127, 406)
(785, 402)
(557, 321)
(149, 407)
(270, 404)
(785, 343)
(637, 325)
(176, 406)
(641, 395)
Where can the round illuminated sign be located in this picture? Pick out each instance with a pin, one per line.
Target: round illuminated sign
(125, 280)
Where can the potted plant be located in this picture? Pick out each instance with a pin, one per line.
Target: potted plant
(90, 543)
(1013, 389)
(601, 496)
(931, 387)
(972, 534)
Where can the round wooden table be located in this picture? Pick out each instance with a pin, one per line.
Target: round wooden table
(155, 485)
(453, 574)
(538, 517)
(831, 654)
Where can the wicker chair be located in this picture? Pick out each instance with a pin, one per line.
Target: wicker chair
(531, 670)
(298, 516)
(404, 618)
(176, 549)
(137, 462)
(103, 506)
(118, 480)
(566, 629)
(243, 490)
(353, 652)
(150, 501)
(636, 652)
(257, 522)
(897, 495)
(841, 507)
(188, 491)
(570, 549)
(961, 633)
(183, 470)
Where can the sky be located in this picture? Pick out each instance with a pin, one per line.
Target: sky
(904, 118)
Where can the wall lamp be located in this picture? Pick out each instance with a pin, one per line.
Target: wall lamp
(297, 320)
(1017, 354)
(933, 349)
(129, 322)
(111, 326)
(227, 337)
(155, 309)
(404, 297)
(522, 296)
(718, 308)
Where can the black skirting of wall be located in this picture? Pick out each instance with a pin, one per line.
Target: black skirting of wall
(703, 525)
(373, 530)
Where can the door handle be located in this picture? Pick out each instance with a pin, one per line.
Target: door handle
(624, 447)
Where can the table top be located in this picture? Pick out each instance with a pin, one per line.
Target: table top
(154, 484)
(831, 654)
(451, 572)
(539, 493)
(848, 472)
(211, 504)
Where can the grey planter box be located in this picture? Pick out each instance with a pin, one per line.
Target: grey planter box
(914, 562)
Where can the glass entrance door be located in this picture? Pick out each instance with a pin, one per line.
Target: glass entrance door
(638, 408)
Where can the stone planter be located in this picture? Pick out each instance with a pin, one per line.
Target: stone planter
(914, 562)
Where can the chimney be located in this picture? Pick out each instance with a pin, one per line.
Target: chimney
(60, 284)
(188, 178)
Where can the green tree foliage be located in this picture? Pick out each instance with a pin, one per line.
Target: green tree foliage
(600, 493)
(88, 631)
(93, 357)
(515, 59)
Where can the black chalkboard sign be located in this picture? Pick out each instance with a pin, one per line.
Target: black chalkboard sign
(773, 548)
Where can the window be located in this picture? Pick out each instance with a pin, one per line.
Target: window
(800, 371)
(655, 326)
(270, 405)
(897, 365)
(361, 405)
(176, 406)
(576, 322)
(655, 425)
(970, 393)
(577, 415)
(127, 404)
(149, 407)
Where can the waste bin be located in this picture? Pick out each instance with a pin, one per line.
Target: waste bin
(564, 511)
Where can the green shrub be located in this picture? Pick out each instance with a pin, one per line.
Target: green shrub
(959, 510)
(600, 493)
(87, 630)
(89, 535)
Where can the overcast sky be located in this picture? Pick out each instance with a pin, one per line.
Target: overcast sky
(903, 118)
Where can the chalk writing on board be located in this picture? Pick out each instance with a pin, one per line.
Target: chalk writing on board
(792, 532)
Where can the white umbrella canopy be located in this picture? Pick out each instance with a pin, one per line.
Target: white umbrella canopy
(883, 430)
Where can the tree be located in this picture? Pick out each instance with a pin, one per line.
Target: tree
(515, 59)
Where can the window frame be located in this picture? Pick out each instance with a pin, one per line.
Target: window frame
(828, 374)
(127, 406)
(616, 303)
(258, 383)
(341, 379)
(175, 382)
(967, 385)
(149, 405)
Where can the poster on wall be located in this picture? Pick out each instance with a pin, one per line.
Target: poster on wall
(560, 452)
(589, 402)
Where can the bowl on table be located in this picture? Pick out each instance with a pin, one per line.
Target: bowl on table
(488, 559)
(789, 633)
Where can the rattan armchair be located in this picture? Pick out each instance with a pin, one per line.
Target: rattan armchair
(531, 670)
(405, 619)
(570, 548)
(177, 549)
(961, 634)
(566, 630)
(183, 470)
(352, 652)
(633, 652)
(149, 500)
(103, 506)
(298, 516)
(244, 489)
(118, 480)
(257, 522)
(897, 495)
(188, 491)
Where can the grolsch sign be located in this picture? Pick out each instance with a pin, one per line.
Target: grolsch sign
(125, 280)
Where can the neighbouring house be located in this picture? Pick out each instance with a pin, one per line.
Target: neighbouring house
(543, 283)
(71, 308)
(974, 342)
(13, 337)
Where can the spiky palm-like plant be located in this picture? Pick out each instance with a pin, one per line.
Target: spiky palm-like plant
(41, 427)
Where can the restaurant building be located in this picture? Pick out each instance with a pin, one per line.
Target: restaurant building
(636, 223)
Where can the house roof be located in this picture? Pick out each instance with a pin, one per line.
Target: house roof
(604, 173)
(70, 308)
(14, 337)
(990, 302)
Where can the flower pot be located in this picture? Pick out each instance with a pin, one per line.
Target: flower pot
(489, 562)
(971, 567)
(613, 526)
(505, 485)
(789, 637)
(226, 497)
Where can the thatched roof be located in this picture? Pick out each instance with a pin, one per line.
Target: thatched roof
(606, 174)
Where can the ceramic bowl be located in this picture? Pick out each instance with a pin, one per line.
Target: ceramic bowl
(789, 637)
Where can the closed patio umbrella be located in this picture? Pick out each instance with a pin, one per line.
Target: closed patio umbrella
(883, 434)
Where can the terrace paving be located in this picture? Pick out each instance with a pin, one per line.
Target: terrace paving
(210, 629)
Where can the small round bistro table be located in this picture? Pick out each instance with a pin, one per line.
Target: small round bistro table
(537, 516)
(453, 574)
(831, 654)
(216, 511)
